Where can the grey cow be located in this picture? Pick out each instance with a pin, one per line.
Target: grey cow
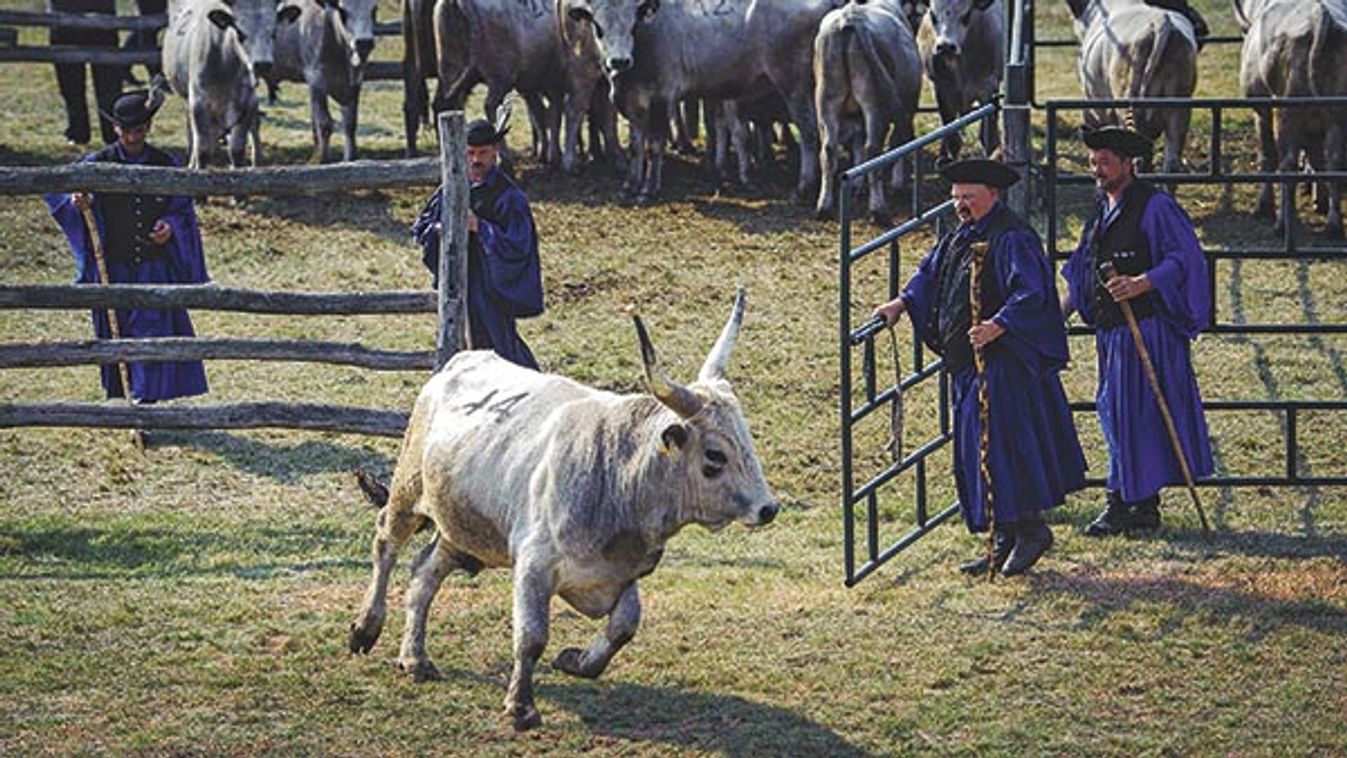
(325, 44)
(1298, 48)
(573, 488)
(213, 52)
(867, 76)
(1129, 49)
(963, 51)
(658, 53)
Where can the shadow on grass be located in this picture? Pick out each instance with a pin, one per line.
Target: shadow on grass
(724, 724)
(287, 464)
(61, 551)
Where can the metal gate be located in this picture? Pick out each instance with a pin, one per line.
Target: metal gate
(861, 394)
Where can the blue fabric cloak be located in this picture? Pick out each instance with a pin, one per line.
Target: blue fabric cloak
(1034, 457)
(182, 263)
(1141, 455)
(504, 269)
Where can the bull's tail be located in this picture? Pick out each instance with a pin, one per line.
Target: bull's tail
(374, 490)
(1149, 72)
(1325, 80)
(888, 88)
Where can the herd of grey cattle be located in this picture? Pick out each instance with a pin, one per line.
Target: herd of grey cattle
(845, 75)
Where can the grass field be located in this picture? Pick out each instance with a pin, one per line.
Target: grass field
(195, 600)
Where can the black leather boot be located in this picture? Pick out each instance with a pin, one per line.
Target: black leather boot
(1145, 514)
(1003, 540)
(1115, 519)
(1032, 540)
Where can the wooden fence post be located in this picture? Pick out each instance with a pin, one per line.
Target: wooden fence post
(454, 334)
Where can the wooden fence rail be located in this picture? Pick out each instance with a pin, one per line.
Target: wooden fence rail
(265, 180)
(211, 297)
(325, 418)
(84, 20)
(83, 352)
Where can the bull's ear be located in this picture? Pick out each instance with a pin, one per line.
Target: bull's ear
(222, 19)
(674, 437)
(983, 5)
(647, 8)
(288, 14)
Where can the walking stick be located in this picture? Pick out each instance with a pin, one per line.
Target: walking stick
(1109, 271)
(114, 328)
(979, 250)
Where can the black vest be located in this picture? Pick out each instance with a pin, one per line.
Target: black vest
(129, 219)
(951, 318)
(1124, 245)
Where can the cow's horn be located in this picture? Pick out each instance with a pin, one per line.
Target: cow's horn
(719, 357)
(678, 398)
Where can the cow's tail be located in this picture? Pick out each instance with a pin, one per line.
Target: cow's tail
(1323, 81)
(374, 490)
(1149, 72)
(888, 88)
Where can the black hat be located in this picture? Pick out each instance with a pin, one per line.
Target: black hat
(481, 132)
(133, 109)
(1125, 142)
(980, 171)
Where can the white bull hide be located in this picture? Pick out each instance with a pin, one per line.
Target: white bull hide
(575, 489)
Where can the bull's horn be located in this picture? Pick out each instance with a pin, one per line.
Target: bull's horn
(678, 398)
(719, 357)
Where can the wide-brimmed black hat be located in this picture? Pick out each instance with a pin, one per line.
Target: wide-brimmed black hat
(1121, 140)
(980, 171)
(482, 132)
(133, 109)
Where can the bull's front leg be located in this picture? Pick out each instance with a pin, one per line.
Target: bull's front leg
(320, 119)
(395, 525)
(532, 596)
(350, 114)
(429, 569)
(623, 621)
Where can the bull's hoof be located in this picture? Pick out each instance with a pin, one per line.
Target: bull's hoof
(645, 200)
(880, 219)
(362, 640)
(571, 661)
(525, 718)
(824, 213)
(421, 670)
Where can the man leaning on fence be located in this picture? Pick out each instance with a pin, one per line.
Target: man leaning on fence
(146, 239)
(1032, 457)
(1145, 238)
(504, 271)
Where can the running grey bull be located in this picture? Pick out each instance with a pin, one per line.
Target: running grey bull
(573, 488)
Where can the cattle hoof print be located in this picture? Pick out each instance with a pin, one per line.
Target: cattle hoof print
(420, 671)
(571, 661)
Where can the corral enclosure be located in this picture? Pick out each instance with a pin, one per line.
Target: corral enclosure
(196, 599)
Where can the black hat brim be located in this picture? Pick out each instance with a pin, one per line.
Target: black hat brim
(980, 171)
(480, 132)
(1122, 141)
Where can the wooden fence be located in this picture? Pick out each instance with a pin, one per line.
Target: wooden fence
(11, 52)
(449, 303)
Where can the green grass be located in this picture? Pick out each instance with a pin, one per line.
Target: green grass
(195, 600)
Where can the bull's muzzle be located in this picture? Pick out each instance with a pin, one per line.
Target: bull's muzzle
(262, 68)
(946, 49)
(363, 47)
(767, 513)
(618, 65)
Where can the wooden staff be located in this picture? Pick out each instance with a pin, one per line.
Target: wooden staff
(114, 327)
(1109, 271)
(979, 250)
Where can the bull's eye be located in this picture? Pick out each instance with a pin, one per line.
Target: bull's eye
(716, 457)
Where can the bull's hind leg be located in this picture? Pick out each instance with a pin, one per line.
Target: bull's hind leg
(623, 621)
(429, 569)
(395, 525)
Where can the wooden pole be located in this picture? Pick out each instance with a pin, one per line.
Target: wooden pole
(1109, 272)
(114, 328)
(453, 333)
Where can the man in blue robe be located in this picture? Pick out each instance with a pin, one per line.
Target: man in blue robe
(504, 271)
(147, 239)
(1034, 456)
(1161, 271)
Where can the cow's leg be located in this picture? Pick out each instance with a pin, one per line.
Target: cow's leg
(635, 166)
(602, 111)
(801, 105)
(238, 142)
(830, 129)
(553, 115)
(950, 105)
(876, 129)
(1288, 149)
(254, 131)
(203, 136)
(576, 103)
(1267, 161)
(532, 596)
(431, 566)
(321, 120)
(350, 116)
(1176, 134)
(623, 621)
(739, 136)
(902, 134)
(395, 525)
(1335, 150)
